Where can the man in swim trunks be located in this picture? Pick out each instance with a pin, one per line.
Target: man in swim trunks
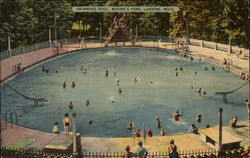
(66, 123)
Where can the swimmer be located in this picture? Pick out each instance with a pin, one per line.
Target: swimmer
(213, 68)
(107, 73)
(195, 73)
(70, 105)
(198, 118)
(176, 74)
(47, 70)
(204, 92)
(199, 91)
(176, 69)
(81, 67)
(112, 101)
(135, 79)
(120, 90)
(207, 126)
(206, 68)
(73, 84)
(86, 70)
(181, 68)
(191, 58)
(43, 69)
(130, 126)
(64, 84)
(117, 82)
(176, 116)
(87, 102)
(56, 72)
(114, 74)
(151, 83)
(90, 122)
(158, 122)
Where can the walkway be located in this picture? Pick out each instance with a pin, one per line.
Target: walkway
(99, 144)
(32, 58)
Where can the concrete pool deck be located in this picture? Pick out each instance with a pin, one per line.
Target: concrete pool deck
(184, 142)
(10, 135)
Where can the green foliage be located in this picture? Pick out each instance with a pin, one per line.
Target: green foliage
(28, 21)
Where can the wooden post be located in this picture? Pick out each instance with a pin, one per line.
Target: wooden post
(74, 153)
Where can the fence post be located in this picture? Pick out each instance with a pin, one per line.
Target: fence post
(229, 46)
(23, 50)
(10, 53)
(215, 46)
(201, 43)
(36, 47)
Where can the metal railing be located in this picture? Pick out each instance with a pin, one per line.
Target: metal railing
(11, 114)
(195, 42)
(38, 153)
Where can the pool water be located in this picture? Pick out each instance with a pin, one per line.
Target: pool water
(140, 102)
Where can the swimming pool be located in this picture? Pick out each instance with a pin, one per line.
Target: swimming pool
(140, 102)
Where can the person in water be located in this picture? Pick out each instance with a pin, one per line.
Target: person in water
(158, 122)
(64, 84)
(107, 73)
(213, 68)
(176, 116)
(70, 105)
(151, 83)
(66, 123)
(204, 92)
(90, 122)
(176, 74)
(117, 82)
(198, 118)
(73, 84)
(130, 126)
(135, 79)
(199, 91)
(206, 68)
(43, 69)
(176, 69)
(81, 67)
(120, 91)
(195, 73)
(87, 102)
(191, 58)
(114, 74)
(181, 69)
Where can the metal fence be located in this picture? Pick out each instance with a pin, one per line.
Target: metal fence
(195, 42)
(34, 153)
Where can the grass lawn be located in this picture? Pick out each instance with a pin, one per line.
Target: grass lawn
(21, 143)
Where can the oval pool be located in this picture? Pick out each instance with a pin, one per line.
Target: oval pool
(140, 102)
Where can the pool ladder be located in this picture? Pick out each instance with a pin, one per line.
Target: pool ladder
(11, 117)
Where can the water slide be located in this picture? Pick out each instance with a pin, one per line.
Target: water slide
(36, 100)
